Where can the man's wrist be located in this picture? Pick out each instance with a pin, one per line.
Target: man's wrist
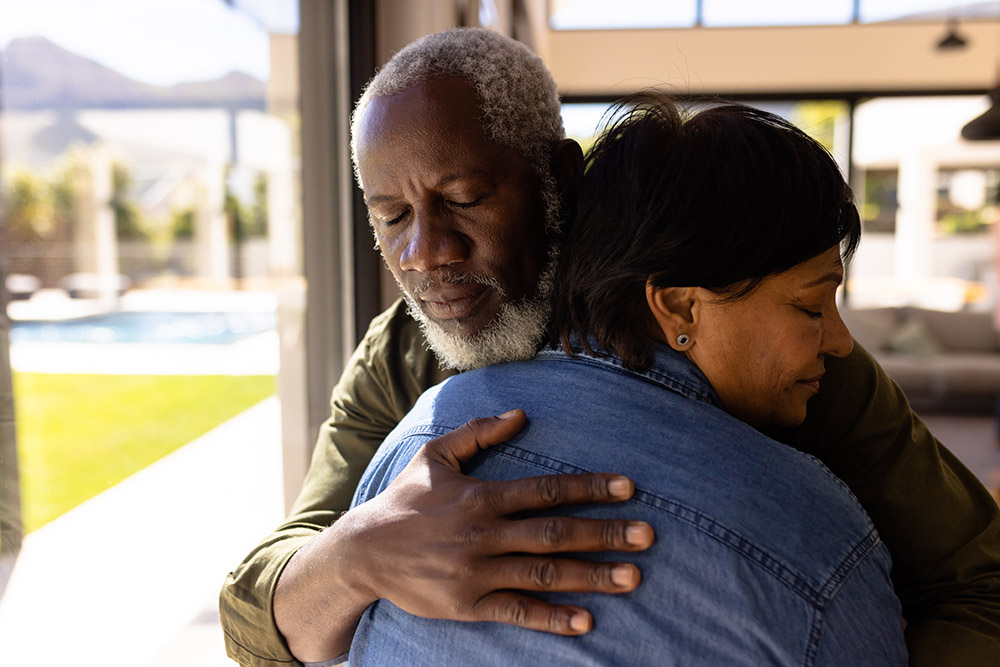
(319, 597)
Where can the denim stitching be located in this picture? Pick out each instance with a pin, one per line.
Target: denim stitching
(815, 636)
(818, 594)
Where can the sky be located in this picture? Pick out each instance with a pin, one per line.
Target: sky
(157, 41)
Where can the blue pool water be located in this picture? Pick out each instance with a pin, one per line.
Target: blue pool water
(142, 327)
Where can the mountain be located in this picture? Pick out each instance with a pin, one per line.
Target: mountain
(233, 89)
(37, 74)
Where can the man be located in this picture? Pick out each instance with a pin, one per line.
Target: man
(440, 545)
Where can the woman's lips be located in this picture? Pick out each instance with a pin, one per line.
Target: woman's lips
(452, 301)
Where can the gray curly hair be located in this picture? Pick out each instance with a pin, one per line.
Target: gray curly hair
(518, 98)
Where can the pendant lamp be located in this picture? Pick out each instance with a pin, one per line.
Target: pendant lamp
(952, 39)
(986, 126)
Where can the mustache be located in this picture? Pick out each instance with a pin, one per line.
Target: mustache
(452, 277)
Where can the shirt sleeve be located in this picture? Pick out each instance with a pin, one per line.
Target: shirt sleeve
(385, 375)
(940, 524)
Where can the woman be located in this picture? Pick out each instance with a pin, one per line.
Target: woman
(695, 304)
(705, 231)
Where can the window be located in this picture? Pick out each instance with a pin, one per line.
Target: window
(598, 15)
(150, 218)
(928, 201)
(824, 120)
(733, 13)
(895, 10)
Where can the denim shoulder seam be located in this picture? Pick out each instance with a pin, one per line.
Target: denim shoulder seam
(859, 552)
(815, 636)
(829, 590)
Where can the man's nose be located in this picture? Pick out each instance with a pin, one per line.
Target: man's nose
(433, 242)
(837, 340)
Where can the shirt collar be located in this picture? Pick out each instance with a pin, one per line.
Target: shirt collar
(670, 369)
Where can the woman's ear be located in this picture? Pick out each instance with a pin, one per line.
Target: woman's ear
(674, 309)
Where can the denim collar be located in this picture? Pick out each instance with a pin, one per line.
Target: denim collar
(670, 369)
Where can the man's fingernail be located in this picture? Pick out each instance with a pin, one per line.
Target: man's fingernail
(579, 622)
(622, 575)
(636, 534)
(507, 415)
(619, 487)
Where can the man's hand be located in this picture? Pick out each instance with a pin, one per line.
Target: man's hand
(440, 544)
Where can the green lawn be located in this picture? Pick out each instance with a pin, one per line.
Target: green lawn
(78, 435)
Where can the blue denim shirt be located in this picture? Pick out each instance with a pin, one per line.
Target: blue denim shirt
(762, 556)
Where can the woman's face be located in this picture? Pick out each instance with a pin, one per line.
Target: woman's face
(764, 354)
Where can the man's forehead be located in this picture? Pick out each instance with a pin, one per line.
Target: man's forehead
(433, 102)
(432, 131)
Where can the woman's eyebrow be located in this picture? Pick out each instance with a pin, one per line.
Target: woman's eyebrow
(833, 276)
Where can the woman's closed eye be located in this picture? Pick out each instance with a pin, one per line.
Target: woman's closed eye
(813, 313)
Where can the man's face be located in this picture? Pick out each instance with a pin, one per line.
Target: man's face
(460, 221)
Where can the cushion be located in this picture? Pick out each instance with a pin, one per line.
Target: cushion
(959, 332)
(914, 338)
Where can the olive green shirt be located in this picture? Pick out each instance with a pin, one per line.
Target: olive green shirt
(940, 525)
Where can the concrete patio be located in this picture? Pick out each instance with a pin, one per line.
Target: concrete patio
(131, 576)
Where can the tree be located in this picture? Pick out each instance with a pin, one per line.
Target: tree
(129, 223)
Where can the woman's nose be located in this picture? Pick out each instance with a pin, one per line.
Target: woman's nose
(837, 340)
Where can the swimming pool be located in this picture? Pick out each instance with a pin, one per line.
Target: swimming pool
(145, 327)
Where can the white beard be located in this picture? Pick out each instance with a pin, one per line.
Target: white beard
(518, 329)
(514, 335)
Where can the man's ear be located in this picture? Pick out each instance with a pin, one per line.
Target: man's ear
(567, 168)
(674, 309)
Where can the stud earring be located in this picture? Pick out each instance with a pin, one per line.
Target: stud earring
(683, 340)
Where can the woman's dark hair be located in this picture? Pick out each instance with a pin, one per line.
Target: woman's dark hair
(720, 198)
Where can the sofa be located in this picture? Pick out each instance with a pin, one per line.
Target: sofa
(943, 361)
